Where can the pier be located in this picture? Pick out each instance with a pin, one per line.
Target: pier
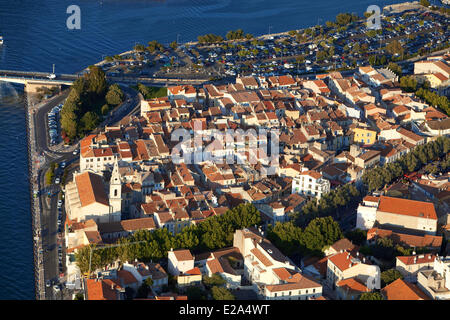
(33, 80)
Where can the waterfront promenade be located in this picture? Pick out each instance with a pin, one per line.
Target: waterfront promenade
(35, 164)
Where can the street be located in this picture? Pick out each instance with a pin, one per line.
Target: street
(52, 238)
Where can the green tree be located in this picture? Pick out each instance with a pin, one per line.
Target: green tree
(215, 280)
(321, 56)
(390, 276)
(115, 95)
(221, 293)
(321, 232)
(357, 236)
(139, 47)
(79, 296)
(195, 293)
(395, 68)
(286, 237)
(89, 121)
(97, 81)
(371, 296)
(174, 45)
(49, 175)
(395, 47)
(105, 109)
(154, 46)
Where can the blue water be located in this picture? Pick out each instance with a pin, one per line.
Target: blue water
(36, 37)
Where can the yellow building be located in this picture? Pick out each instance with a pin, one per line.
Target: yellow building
(364, 136)
(435, 79)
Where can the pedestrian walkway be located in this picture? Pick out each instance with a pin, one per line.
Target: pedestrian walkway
(36, 161)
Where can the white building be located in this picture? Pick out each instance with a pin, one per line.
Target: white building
(228, 263)
(180, 261)
(366, 213)
(273, 275)
(436, 282)
(343, 265)
(86, 198)
(310, 183)
(398, 213)
(97, 160)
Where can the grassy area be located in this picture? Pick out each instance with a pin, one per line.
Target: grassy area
(151, 92)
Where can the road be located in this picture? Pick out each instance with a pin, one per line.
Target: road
(51, 238)
(40, 119)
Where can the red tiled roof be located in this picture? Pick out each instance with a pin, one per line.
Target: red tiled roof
(417, 259)
(90, 189)
(402, 290)
(183, 255)
(261, 257)
(352, 284)
(407, 207)
(101, 289)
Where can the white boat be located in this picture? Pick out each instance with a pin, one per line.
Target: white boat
(1, 40)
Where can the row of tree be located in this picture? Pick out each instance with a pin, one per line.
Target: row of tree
(385, 249)
(410, 84)
(50, 174)
(154, 46)
(213, 233)
(378, 177)
(238, 35)
(434, 99)
(310, 241)
(209, 38)
(344, 19)
(329, 204)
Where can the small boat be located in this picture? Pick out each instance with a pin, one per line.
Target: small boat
(1, 40)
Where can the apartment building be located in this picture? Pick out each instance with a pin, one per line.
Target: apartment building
(310, 183)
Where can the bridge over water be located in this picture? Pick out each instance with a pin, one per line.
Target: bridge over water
(33, 80)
